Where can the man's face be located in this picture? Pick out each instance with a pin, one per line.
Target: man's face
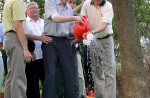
(72, 3)
(32, 11)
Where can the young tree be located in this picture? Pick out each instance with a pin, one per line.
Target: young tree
(133, 69)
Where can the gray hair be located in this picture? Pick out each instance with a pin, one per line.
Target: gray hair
(31, 3)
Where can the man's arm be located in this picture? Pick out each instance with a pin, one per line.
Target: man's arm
(43, 38)
(58, 18)
(18, 24)
(101, 27)
(51, 13)
(77, 8)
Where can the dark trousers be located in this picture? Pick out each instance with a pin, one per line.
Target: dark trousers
(59, 81)
(4, 56)
(58, 52)
(34, 73)
(76, 73)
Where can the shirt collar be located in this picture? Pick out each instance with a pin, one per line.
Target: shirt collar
(92, 2)
(29, 19)
(102, 3)
(66, 6)
(58, 2)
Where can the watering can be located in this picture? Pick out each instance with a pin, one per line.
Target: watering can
(90, 94)
(80, 29)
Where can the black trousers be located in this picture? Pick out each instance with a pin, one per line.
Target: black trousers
(58, 52)
(34, 73)
(59, 81)
(4, 56)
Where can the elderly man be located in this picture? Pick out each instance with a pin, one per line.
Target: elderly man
(16, 48)
(35, 69)
(59, 25)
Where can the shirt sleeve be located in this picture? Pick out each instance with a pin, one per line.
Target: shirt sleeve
(107, 15)
(71, 27)
(50, 8)
(1, 34)
(27, 28)
(83, 9)
(18, 10)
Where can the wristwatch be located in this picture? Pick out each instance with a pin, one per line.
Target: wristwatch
(93, 32)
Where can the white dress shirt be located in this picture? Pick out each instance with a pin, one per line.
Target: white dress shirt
(36, 28)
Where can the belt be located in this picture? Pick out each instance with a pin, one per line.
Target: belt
(2, 50)
(105, 36)
(10, 31)
(57, 36)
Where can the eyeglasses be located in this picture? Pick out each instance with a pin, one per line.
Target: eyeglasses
(33, 8)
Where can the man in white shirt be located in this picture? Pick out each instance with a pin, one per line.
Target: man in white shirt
(35, 69)
(100, 15)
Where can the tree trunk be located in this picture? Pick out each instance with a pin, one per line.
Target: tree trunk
(1, 95)
(133, 69)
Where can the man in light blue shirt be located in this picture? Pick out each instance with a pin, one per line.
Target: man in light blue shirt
(1, 33)
(58, 24)
(1, 61)
(4, 56)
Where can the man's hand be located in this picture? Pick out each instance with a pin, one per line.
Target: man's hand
(33, 56)
(27, 56)
(85, 34)
(45, 39)
(75, 41)
(78, 19)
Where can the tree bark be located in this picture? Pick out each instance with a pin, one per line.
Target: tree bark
(133, 69)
